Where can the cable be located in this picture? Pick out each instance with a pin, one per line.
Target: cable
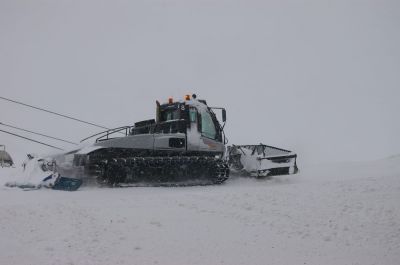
(55, 113)
(44, 135)
(31, 140)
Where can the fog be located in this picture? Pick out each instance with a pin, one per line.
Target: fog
(321, 78)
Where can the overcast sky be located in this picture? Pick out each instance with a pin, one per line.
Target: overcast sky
(321, 78)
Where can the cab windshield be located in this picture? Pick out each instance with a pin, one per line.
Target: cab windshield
(208, 126)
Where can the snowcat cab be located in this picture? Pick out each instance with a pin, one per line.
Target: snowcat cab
(196, 120)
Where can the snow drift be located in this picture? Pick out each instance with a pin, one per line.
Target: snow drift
(345, 213)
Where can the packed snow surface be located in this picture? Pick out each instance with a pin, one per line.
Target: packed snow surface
(331, 214)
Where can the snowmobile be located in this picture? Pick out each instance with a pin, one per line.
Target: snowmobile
(38, 172)
(184, 145)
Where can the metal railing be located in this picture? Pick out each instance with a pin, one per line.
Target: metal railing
(104, 135)
(173, 126)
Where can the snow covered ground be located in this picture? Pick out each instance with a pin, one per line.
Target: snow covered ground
(330, 214)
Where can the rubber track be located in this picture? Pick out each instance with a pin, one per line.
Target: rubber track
(161, 171)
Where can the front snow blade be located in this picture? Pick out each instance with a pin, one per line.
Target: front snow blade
(261, 160)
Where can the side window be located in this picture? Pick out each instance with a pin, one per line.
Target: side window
(207, 126)
(169, 115)
(192, 115)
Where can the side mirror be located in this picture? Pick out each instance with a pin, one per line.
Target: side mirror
(223, 115)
